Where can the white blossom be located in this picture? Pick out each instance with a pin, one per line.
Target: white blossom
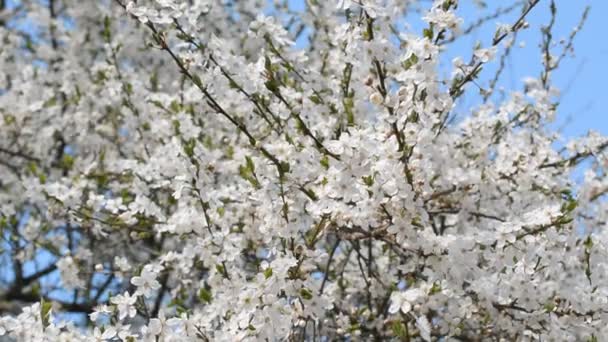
(69, 272)
(250, 171)
(485, 55)
(146, 282)
(125, 305)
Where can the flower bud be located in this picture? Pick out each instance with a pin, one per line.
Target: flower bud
(376, 98)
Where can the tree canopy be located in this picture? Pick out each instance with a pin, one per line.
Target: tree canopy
(176, 170)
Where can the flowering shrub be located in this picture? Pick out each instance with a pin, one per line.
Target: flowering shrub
(183, 171)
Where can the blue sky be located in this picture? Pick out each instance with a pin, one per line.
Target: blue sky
(583, 100)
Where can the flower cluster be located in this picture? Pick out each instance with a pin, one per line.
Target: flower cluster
(182, 171)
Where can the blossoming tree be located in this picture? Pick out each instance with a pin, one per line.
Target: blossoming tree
(177, 170)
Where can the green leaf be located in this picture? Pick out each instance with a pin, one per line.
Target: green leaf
(408, 63)
(181, 310)
(197, 81)
(183, 36)
(349, 104)
(33, 168)
(208, 142)
(9, 119)
(154, 80)
(144, 235)
(204, 295)
(128, 88)
(324, 162)
(67, 162)
(311, 194)
(305, 293)
(268, 273)
(107, 32)
(571, 202)
(272, 85)
(175, 106)
(45, 312)
(571, 205)
(42, 178)
(285, 167)
(250, 164)
(400, 330)
(243, 172)
(189, 147)
(230, 152)
(247, 172)
(435, 289)
(126, 196)
(588, 242)
(50, 102)
(428, 33)
(100, 77)
(36, 289)
(447, 4)
(315, 99)
(220, 269)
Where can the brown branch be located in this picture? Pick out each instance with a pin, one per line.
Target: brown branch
(456, 89)
(19, 155)
(575, 159)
